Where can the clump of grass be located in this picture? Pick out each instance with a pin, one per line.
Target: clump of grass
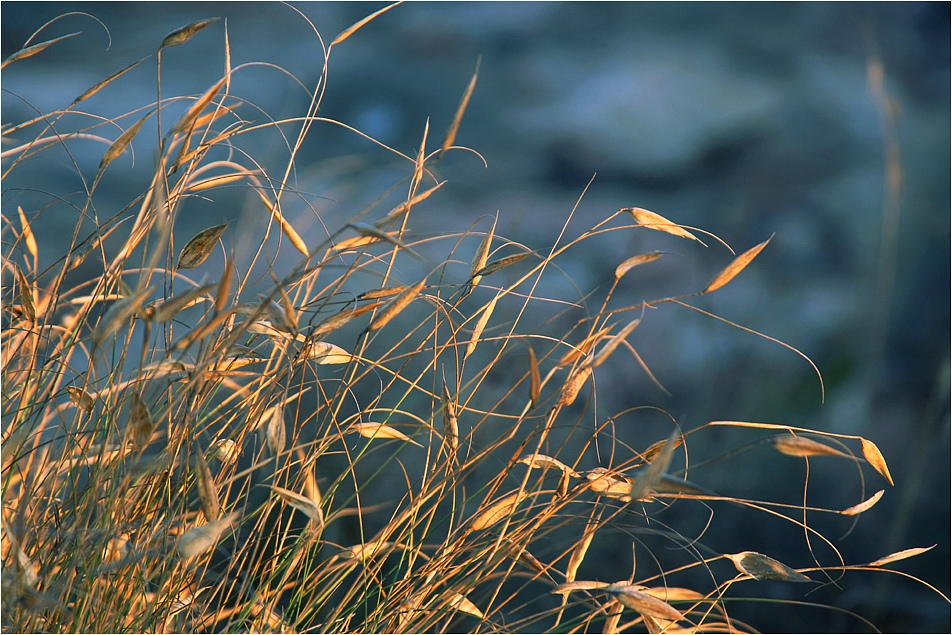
(371, 430)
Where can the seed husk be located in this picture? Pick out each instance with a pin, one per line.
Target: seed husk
(761, 567)
(200, 539)
(502, 508)
(450, 424)
(381, 431)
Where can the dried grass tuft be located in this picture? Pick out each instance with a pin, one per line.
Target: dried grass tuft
(188, 440)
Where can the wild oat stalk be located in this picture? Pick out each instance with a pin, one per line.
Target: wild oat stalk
(372, 433)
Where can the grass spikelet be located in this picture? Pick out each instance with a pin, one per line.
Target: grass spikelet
(384, 292)
(450, 136)
(420, 159)
(187, 121)
(346, 33)
(121, 143)
(579, 585)
(651, 476)
(198, 540)
(541, 462)
(326, 353)
(659, 223)
(336, 321)
(140, 426)
(369, 231)
(293, 237)
(397, 305)
(198, 248)
(450, 424)
(224, 287)
(602, 482)
(81, 398)
(275, 431)
(207, 490)
(584, 348)
(855, 510)
(28, 238)
(185, 33)
(876, 459)
(900, 555)
(502, 263)
(301, 503)
(580, 550)
(761, 567)
(521, 554)
(30, 51)
(98, 86)
(481, 255)
(166, 310)
(614, 343)
(381, 431)
(573, 385)
(634, 598)
(403, 208)
(283, 316)
(737, 265)
(368, 550)
(635, 261)
(802, 446)
(535, 381)
(459, 602)
(226, 451)
(27, 303)
(480, 325)
(504, 507)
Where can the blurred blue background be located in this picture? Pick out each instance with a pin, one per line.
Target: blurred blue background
(741, 119)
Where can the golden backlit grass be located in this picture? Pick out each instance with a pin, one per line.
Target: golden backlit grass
(376, 429)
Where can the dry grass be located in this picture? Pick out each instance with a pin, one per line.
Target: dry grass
(372, 430)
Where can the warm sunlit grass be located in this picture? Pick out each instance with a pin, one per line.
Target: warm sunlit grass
(396, 431)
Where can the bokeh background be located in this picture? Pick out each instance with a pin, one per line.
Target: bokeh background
(742, 119)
